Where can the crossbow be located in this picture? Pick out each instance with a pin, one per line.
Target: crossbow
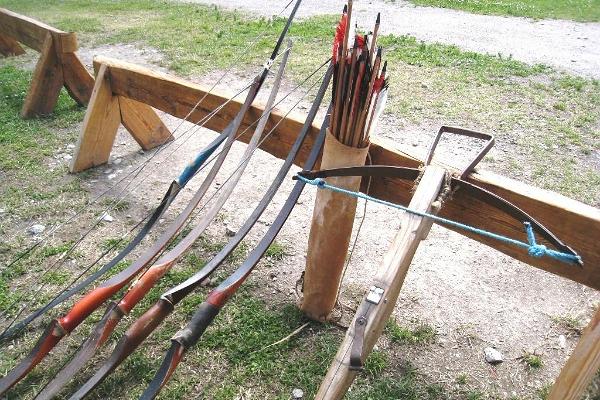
(379, 301)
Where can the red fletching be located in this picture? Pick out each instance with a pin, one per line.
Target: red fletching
(360, 41)
(338, 40)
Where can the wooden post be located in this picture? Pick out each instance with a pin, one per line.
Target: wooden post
(581, 367)
(10, 47)
(46, 82)
(390, 277)
(100, 125)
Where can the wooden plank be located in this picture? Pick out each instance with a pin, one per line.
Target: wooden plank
(10, 47)
(78, 81)
(100, 125)
(581, 367)
(390, 278)
(28, 31)
(144, 125)
(46, 82)
(574, 222)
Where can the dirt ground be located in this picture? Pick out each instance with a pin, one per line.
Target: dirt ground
(566, 45)
(473, 296)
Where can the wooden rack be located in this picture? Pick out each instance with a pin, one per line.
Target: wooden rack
(57, 66)
(124, 93)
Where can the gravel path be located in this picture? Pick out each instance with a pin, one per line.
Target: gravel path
(566, 45)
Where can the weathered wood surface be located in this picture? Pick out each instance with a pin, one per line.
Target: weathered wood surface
(78, 81)
(581, 367)
(144, 125)
(58, 64)
(30, 32)
(46, 82)
(10, 47)
(575, 223)
(390, 277)
(100, 124)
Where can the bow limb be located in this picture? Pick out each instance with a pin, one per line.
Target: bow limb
(90, 302)
(457, 185)
(209, 309)
(148, 279)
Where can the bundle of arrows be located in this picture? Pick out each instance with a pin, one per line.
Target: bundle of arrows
(359, 83)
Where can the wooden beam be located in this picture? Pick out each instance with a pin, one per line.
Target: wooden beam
(28, 31)
(575, 223)
(10, 47)
(144, 125)
(46, 82)
(100, 124)
(581, 367)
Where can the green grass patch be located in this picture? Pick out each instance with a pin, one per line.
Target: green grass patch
(532, 360)
(422, 333)
(578, 10)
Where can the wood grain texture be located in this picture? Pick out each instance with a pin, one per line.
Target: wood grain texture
(100, 125)
(10, 47)
(46, 82)
(30, 32)
(390, 277)
(581, 367)
(575, 223)
(78, 81)
(330, 231)
(144, 125)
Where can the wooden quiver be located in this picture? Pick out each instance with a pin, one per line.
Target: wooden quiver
(330, 231)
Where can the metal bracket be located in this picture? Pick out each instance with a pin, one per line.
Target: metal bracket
(356, 363)
(490, 140)
(375, 295)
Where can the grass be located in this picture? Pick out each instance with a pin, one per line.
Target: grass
(421, 334)
(435, 83)
(546, 123)
(578, 10)
(570, 323)
(532, 360)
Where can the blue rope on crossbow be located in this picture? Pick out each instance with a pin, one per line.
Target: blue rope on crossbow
(533, 248)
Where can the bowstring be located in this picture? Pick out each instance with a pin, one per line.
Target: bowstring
(116, 202)
(209, 161)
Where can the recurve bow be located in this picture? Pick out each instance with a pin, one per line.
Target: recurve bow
(91, 301)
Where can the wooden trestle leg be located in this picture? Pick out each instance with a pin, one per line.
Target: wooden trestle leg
(46, 82)
(378, 304)
(10, 47)
(581, 367)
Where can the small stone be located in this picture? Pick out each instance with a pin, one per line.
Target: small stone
(141, 152)
(424, 86)
(36, 229)
(297, 394)
(106, 217)
(108, 171)
(229, 232)
(70, 146)
(493, 356)
(562, 341)
(117, 161)
(67, 157)
(111, 177)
